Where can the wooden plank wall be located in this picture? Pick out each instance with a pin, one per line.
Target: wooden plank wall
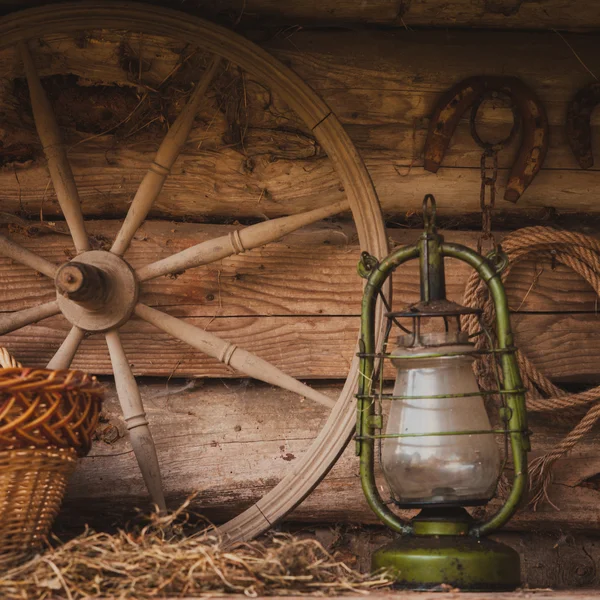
(231, 441)
(382, 85)
(296, 303)
(307, 324)
(577, 15)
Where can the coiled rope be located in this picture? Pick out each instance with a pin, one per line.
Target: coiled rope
(581, 253)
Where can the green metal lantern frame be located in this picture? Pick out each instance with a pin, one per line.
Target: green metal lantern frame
(431, 250)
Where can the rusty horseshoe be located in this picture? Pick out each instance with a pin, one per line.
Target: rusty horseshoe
(534, 124)
(579, 133)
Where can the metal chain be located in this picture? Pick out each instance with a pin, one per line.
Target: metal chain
(488, 182)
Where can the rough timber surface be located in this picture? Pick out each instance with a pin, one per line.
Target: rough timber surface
(306, 323)
(261, 161)
(231, 441)
(519, 14)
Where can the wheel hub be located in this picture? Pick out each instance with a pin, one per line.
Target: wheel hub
(96, 291)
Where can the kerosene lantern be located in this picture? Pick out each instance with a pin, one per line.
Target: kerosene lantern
(437, 447)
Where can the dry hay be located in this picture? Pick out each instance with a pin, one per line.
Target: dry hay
(159, 560)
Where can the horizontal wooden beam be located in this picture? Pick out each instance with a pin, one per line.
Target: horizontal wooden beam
(382, 98)
(400, 186)
(322, 258)
(552, 14)
(510, 14)
(306, 324)
(566, 347)
(232, 441)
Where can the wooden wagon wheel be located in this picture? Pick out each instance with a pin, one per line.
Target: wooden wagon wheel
(97, 291)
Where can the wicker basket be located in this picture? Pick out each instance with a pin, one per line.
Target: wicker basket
(47, 419)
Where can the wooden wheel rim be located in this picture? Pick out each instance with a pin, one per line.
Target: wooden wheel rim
(331, 440)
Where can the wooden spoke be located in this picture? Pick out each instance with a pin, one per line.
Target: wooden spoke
(165, 157)
(21, 255)
(56, 155)
(229, 354)
(317, 117)
(15, 320)
(237, 242)
(135, 417)
(65, 354)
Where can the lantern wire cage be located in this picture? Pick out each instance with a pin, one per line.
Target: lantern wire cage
(485, 353)
(437, 403)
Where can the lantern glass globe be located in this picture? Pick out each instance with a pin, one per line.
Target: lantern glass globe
(443, 470)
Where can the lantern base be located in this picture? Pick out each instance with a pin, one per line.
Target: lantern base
(432, 563)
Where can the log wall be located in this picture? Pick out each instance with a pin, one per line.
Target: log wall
(296, 302)
(382, 85)
(231, 441)
(576, 15)
(305, 323)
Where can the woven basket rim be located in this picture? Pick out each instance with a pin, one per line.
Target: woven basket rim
(44, 407)
(30, 379)
(45, 450)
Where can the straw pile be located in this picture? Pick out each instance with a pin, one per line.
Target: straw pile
(159, 560)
